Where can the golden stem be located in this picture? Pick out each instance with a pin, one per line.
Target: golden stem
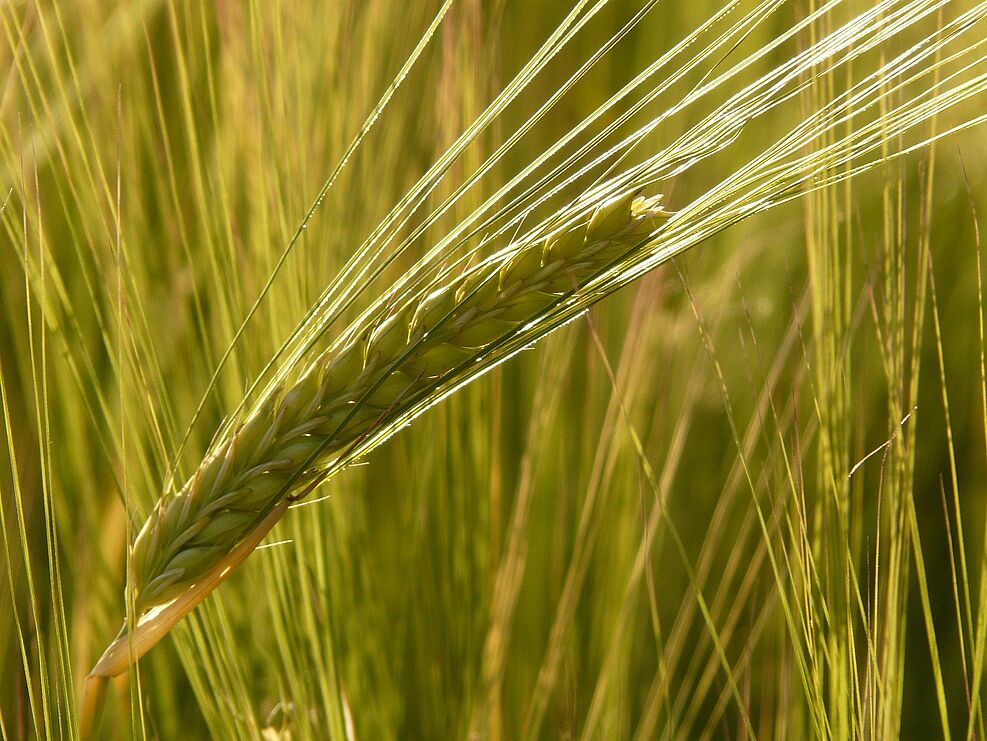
(153, 625)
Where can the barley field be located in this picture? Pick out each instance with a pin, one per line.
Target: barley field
(493, 369)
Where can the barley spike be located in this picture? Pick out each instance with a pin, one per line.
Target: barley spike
(283, 448)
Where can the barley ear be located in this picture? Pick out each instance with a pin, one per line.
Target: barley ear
(414, 349)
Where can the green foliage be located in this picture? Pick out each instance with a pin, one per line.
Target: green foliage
(742, 495)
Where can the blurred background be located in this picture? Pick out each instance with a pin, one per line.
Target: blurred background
(743, 496)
